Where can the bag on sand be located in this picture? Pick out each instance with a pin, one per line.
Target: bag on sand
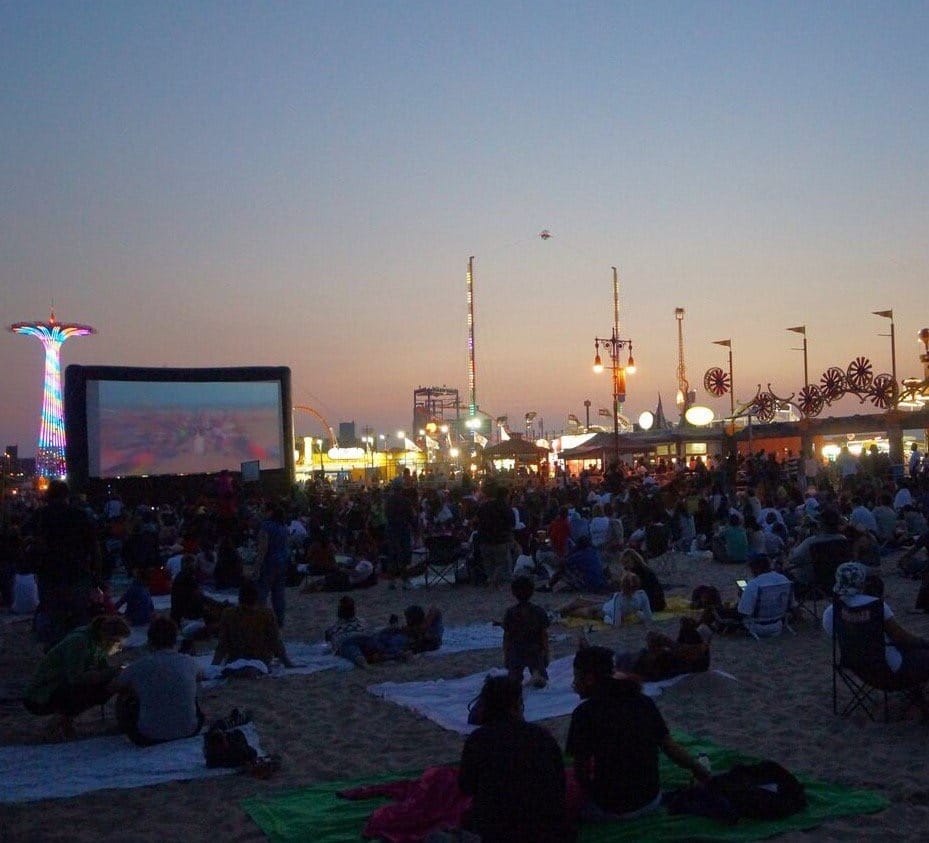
(227, 748)
(762, 791)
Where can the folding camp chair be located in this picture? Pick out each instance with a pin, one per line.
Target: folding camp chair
(825, 557)
(858, 659)
(442, 558)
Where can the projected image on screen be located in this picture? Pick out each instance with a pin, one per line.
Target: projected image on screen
(155, 427)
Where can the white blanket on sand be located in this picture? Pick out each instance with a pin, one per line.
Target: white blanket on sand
(445, 701)
(476, 636)
(307, 658)
(162, 602)
(55, 771)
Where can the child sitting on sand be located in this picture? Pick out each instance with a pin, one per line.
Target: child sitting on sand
(348, 633)
(525, 636)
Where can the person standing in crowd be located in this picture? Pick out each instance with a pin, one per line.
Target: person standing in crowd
(63, 543)
(525, 635)
(401, 520)
(495, 524)
(272, 560)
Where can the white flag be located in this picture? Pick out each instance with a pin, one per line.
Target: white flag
(432, 444)
(410, 445)
(504, 436)
(481, 440)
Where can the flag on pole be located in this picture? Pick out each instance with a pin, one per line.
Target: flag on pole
(481, 440)
(800, 329)
(603, 411)
(572, 419)
(410, 445)
(887, 314)
(432, 444)
(504, 436)
(727, 343)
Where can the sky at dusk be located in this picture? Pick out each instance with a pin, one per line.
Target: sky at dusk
(301, 184)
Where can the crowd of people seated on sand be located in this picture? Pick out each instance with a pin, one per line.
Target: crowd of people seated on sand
(594, 536)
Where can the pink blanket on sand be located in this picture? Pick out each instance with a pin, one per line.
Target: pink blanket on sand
(430, 803)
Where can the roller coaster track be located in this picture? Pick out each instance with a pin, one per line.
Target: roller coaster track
(304, 408)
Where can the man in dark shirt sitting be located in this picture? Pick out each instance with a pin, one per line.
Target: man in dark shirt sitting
(514, 772)
(614, 738)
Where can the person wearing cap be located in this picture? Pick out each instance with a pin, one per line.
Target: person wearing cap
(75, 675)
(907, 655)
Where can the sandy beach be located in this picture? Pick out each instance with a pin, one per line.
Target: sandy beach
(326, 726)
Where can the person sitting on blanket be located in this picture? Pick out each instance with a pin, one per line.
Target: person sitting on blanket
(663, 658)
(157, 699)
(137, 599)
(514, 772)
(360, 574)
(348, 633)
(188, 602)
(249, 632)
(525, 636)
(320, 555)
(633, 562)
(350, 638)
(628, 602)
(423, 629)
(75, 675)
(583, 569)
(614, 739)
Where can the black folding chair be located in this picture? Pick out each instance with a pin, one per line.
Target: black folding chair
(442, 559)
(825, 557)
(858, 659)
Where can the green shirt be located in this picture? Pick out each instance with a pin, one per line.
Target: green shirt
(64, 664)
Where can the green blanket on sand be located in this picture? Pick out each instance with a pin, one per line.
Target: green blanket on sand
(318, 814)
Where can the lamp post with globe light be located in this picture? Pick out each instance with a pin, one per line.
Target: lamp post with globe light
(614, 346)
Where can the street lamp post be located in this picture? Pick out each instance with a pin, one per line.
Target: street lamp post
(614, 346)
(586, 415)
(319, 447)
(801, 329)
(369, 457)
(728, 344)
(889, 314)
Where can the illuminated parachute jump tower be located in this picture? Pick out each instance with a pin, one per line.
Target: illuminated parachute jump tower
(50, 453)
